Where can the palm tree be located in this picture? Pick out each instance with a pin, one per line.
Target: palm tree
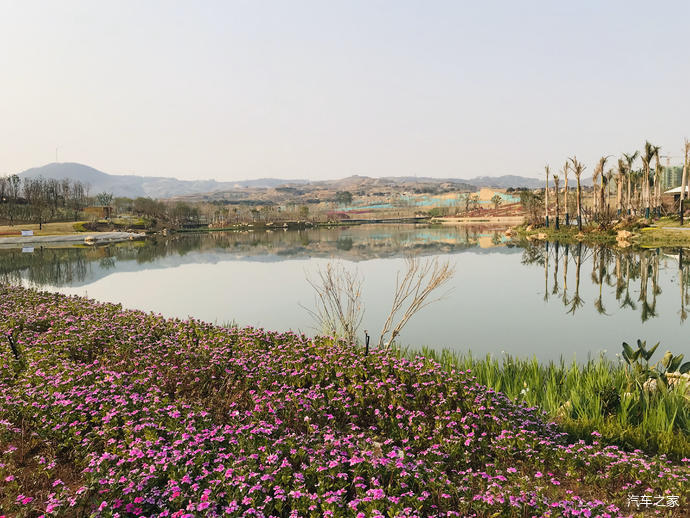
(630, 159)
(609, 183)
(554, 291)
(619, 186)
(646, 161)
(599, 171)
(627, 301)
(566, 166)
(681, 283)
(648, 310)
(619, 277)
(683, 183)
(546, 198)
(555, 181)
(599, 304)
(595, 185)
(578, 168)
(638, 189)
(565, 275)
(577, 301)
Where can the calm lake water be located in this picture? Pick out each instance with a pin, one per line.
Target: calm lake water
(543, 300)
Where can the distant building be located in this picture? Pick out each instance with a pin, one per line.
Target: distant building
(671, 177)
(675, 193)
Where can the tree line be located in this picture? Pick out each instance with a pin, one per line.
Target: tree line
(40, 200)
(638, 189)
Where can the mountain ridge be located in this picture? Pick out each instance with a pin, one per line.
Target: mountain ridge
(167, 187)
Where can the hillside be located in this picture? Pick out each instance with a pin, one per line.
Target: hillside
(159, 187)
(148, 186)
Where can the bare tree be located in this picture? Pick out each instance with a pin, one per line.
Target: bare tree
(412, 291)
(339, 300)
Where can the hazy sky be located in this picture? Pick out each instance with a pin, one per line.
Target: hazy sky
(325, 89)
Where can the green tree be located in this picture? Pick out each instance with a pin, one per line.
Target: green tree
(343, 197)
(104, 199)
(496, 200)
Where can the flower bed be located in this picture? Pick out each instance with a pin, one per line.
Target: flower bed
(122, 413)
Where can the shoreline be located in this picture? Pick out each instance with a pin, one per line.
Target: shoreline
(509, 220)
(640, 234)
(86, 238)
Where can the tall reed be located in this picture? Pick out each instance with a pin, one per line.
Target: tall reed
(585, 399)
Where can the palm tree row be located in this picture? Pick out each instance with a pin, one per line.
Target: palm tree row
(638, 191)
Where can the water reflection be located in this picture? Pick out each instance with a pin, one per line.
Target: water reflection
(610, 268)
(504, 297)
(75, 265)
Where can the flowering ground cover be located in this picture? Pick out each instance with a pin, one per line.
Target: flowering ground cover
(600, 395)
(107, 412)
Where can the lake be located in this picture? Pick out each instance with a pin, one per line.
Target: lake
(547, 300)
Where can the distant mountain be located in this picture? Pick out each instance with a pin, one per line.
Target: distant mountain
(497, 182)
(134, 186)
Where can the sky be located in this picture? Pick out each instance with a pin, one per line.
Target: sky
(235, 90)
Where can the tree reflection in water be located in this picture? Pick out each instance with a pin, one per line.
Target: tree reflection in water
(613, 268)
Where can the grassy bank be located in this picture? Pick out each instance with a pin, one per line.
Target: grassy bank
(110, 412)
(49, 229)
(664, 232)
(599, 396)
(590, 235)
(662, 236)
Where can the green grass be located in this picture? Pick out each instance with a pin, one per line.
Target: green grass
(590, 234)
(653, 237)
(584, 398)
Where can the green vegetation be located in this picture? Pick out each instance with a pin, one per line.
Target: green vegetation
(108, 412)
(666, 232)
(600, 396)
(654, 237)
(591, 234)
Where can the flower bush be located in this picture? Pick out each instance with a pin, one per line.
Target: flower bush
(108, 412)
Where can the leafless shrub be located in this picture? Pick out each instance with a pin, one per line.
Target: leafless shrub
(339, 306)
(412, 291)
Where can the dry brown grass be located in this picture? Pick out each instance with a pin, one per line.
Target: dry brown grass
(60, 228)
